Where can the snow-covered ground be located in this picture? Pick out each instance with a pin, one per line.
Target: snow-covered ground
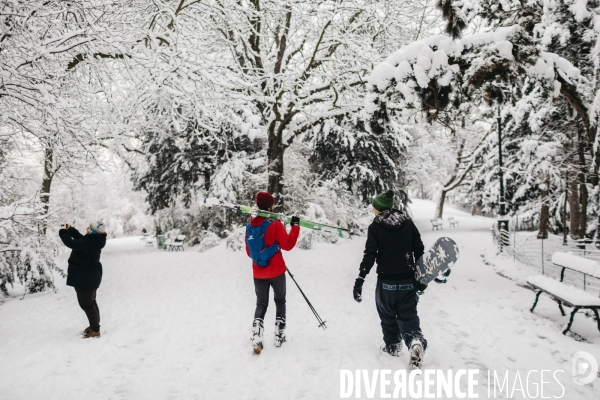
(177, 326)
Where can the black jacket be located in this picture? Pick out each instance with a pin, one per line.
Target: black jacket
(85, 270)
(395, 243)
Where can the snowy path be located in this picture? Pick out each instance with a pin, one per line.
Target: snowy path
(177, 326)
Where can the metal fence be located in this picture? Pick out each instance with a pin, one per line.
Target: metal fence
(528, 249)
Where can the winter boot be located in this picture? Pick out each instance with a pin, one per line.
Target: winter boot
(91, 334)
(257, 335)
(416, 355)
(279, 331)
(86, 330)
(394, 349)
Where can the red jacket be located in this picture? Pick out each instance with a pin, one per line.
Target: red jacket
(275, 233)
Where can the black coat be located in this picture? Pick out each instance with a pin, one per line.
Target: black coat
(395, 243)
(85, 270)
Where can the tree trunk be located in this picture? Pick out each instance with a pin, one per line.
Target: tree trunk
(544, 212)
(564, 210)
(583, 192)
(439, 209)
(583, 198)
(275, 153)
(573, 209)
(46, 185)
(455, 180)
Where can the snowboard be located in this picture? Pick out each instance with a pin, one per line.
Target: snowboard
(436, 261)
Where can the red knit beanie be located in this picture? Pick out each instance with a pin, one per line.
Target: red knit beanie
(264, 200)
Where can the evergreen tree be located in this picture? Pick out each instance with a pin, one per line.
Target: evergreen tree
(179, 162)
(367, 162)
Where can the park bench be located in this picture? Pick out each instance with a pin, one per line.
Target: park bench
(567, 295)
(149, 241)
(527, 223)
(436, 224)
(175, 244)
(144, 237)
(453, 222)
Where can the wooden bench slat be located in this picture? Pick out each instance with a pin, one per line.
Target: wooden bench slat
(569, 295)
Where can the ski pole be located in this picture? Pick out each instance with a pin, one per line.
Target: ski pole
(321, 322)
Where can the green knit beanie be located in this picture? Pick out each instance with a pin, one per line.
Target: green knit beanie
(384, 201)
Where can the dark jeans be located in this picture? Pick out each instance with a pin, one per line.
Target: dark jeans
(87, 302)
(397, 307)
(261, 287)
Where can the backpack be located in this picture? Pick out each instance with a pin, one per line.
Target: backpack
(255, 238)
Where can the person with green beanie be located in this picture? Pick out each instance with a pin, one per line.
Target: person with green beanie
(384, 201)
(395, 243)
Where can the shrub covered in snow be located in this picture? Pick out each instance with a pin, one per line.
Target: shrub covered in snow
(26, 258)
(209, 241)
(236, 240)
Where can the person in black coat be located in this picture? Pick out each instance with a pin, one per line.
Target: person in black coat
(85, 269)
(395, 243)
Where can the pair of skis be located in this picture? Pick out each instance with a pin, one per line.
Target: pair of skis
(255, 212)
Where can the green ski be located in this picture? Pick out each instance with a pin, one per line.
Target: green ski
(271, 215)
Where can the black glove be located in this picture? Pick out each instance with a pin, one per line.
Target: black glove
(357, 292)
(295, 221)
(421, 288)
(445, 275)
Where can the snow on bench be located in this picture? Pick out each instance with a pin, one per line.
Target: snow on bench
(453, 222)
(565, 294)
(576, 263)
(436, 224)
(176, 244)
(569, 295)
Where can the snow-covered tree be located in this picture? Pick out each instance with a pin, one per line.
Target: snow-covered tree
(367, 162)
(293, 64)
(462, 78)
(26, 261)
(56, 62)
(182, 160)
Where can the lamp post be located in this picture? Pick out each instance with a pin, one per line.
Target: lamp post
(502, 209)
(502, 219)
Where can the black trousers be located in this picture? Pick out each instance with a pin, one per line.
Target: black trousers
(397, 307)
(87, 302)
(261, 287)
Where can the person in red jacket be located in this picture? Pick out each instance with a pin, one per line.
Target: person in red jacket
(273, 274)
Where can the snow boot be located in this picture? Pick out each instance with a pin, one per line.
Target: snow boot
(416, 355)
(394, 349)
(257, 335)
(279, 331)
(91, 334)
(86, 330)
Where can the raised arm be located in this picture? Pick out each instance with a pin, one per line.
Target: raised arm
(74, 244)
(284, 240)
(74, 233)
